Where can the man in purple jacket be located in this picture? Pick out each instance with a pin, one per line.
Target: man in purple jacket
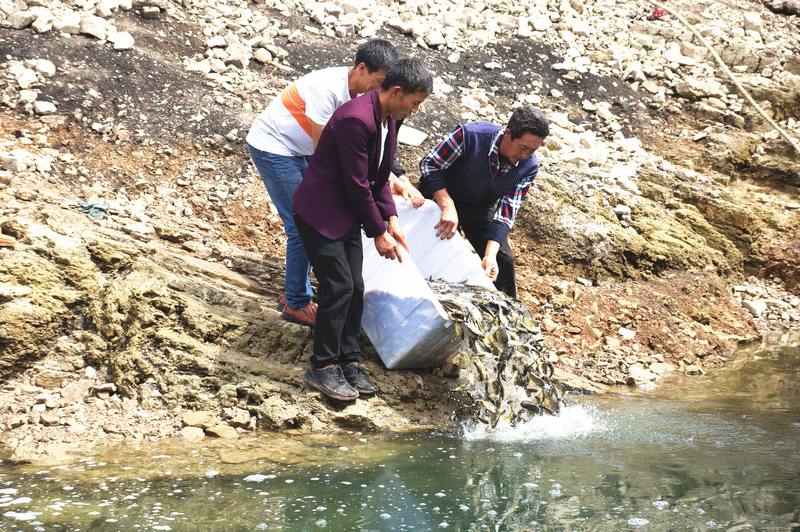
(346, 187)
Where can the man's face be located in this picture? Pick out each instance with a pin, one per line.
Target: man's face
(520, 148)
(404, 104)
(370, 80)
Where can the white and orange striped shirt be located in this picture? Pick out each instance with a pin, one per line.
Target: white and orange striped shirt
(284, 128)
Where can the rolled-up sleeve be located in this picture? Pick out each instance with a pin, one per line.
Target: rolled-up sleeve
(508, 207)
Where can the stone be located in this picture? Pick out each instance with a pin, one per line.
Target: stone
(140, 231)
(26, 78)
(695, 89)
(434, 39)
(661, 368)
(752, 21)
(218, 41)
(27, 194)
(21, 19)
(94, 26)
(549, 325)
(44, 108)
(756, 307)
(44, 19)
(49, 418)
(45, 67)
(199, 418)
(626, 333)
(541, 23)
(69, 22)
(641, 374)
(122, 40)
(237, 417)
(223, 431)
(28, 96)
(151, 12)
(192, 434)
(622, 211)
(262, 55)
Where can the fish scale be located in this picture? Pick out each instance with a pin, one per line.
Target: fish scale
(509, 377)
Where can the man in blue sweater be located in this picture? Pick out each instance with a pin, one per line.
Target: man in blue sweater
(479, 176)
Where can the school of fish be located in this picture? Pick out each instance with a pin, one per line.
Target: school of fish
(508, 374)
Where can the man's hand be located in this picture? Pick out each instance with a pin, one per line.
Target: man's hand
(387, 247)
(403, 187)
(393, 228)
(490, 267)
(448, 223)
(489, 261)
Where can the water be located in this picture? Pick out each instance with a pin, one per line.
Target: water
(705, 453)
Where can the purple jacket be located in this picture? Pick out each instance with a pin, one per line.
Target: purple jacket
(343, 183)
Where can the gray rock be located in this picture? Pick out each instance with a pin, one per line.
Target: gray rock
(223, 431)
(94, 26)
(49, 418)
(122, 40)
(26, 78)
(752, 21)
(756, 307)
(21, 19)
(68, 23)
(192, 434)
(262, 55)
(44, 108)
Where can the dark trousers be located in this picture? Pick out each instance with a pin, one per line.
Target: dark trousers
(340, 295)
(474, 223)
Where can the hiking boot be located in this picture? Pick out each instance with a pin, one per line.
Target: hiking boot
(358, 379)
(281, 302)
(331, 382)
(304, 316)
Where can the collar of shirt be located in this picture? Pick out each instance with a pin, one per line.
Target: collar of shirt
(494, 157)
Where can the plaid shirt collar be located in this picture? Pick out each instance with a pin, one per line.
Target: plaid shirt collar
(494, 157)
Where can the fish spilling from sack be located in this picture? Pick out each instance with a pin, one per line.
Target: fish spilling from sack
(509, 376)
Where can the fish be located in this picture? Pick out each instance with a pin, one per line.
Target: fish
(505, 368)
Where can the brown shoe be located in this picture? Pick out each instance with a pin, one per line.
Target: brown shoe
(304, 316)
(281, 302)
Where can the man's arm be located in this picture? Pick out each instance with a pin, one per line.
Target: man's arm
(431, 168)
(507, 209)
(316, 131)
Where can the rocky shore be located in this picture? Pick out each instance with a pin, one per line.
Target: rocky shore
(137, 302)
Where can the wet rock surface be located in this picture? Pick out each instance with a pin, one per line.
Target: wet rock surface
(663, 228)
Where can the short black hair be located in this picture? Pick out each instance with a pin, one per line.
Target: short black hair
(528, 120)
(376, 54)
(410, 75)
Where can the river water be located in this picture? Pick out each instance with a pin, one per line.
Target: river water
(713, 452)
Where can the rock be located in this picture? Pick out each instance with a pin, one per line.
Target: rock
(756, 307)
(45, 67)
(695, 89)
(94, 26)
(661, 368)
(26, 78)
(434, 39)
(44, 19)
(549, 325)
(192, 433)
(44, 108)
(27, 194)
(151, 12)
(198, 249)
(223, 431)
(49, 418)
(626, 333)
(20, 19)
(262, 55)
(218, 41)
(199, 418)
(69, 22)
(27, 96)
(641, 374)
(122, 40)
(622, 211)
(140, 231)
(752, 21)
(237, 417)
(541, 23)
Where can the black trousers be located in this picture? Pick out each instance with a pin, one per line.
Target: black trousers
(340, 294)
(474, 222)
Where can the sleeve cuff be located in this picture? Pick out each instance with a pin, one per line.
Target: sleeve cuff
(433, 182)
(497, 231)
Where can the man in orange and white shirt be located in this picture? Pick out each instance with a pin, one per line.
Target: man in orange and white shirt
(284, 136)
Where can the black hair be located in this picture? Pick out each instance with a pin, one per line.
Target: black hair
(376, 54)
(528, 120)
(410, 75)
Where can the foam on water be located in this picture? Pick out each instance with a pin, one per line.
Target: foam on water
(572, 421)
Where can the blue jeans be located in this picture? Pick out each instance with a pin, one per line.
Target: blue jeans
(282, 175)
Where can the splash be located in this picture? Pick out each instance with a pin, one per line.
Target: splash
(573, 421)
